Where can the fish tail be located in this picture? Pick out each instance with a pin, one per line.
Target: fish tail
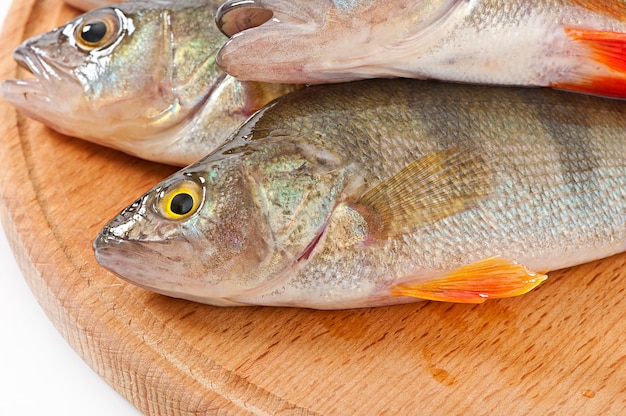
(607, 49)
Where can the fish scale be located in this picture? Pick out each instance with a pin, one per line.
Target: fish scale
(398, 190)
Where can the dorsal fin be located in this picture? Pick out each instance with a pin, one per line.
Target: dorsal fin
(433, 187)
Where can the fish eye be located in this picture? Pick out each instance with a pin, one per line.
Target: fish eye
(97, 30)
(180, 200)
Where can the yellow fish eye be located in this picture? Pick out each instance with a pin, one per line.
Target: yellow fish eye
(97, 30)
(180, 201)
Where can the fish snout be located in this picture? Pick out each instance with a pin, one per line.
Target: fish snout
(26, 58)
(130, 261)
(111, 236)
(47, 80)
(106, 248)
(102, 244)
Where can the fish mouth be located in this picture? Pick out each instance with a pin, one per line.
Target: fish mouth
(131, 261)
(122, 259)
(16, 90)
(134, 263)
(48, 92)
(235, 16)
(40, 87)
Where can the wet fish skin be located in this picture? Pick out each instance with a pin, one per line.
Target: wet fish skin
(381, 192)
(570, 44)
(152, 89)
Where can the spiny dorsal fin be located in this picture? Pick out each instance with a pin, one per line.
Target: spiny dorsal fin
(433, 187)
(491, 278)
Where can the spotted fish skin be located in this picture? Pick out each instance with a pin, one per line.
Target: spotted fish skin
(569, 44)
(364, 194)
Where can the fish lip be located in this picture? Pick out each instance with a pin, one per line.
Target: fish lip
(45, 75)
(41, 66)
(103, 244)
(106, 248)
(18, 88)
(29, 60)
(235, 16)
(103, 240)
(52, 95)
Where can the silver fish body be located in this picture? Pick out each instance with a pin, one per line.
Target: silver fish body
(138, 76)
(381, 192)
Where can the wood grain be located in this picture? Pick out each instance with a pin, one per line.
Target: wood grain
(558, 350)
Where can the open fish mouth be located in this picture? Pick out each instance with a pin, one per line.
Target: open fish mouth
(48, 90)
(235, 16)
(37, 88)
(17, 90)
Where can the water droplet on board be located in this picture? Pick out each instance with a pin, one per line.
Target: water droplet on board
(589, 393)
(439, 374)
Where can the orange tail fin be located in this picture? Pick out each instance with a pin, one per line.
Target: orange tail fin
(609, 49)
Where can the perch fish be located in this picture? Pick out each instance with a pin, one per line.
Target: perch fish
(384, 191)
(569, 44)
(139, 77)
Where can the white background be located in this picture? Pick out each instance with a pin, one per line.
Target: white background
(39, 373)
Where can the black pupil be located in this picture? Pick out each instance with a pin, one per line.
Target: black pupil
(181, 204)
(94, 32)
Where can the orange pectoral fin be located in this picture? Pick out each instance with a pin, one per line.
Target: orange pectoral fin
(491, 278)
(607, 48)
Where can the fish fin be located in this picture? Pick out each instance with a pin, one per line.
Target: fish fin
(491, 278)
(433, 187)
(609, 49)
(615, 9)
(601, 86)
(258, 94)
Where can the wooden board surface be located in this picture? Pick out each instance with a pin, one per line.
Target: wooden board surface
(558, 350)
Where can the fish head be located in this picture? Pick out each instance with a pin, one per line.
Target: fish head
(320, 41)
(125, 71)
(227, 228)
(198, 233)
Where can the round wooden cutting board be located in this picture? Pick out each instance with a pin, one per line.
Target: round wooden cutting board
(560, 349)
